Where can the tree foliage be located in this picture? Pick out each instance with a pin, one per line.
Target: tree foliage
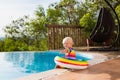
(27, 34)
(31, 34)
(65, 12)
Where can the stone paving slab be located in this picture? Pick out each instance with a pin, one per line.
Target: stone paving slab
(44, 75)
(109, 70)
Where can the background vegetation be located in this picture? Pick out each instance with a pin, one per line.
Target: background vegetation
(27, 34)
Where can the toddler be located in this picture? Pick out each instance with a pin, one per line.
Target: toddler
(69, 52)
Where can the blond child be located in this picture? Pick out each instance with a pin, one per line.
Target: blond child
(68, 51)
(68, 44)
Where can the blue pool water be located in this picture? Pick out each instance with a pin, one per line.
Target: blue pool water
(18, 64)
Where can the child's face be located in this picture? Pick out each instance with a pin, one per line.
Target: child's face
(67, 44)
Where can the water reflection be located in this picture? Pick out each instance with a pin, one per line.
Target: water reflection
(31, 62)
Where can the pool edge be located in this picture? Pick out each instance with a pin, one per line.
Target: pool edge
(43, 75)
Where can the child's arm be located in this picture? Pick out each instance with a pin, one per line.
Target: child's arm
(64, 51)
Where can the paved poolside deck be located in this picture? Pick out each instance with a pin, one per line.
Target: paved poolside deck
(108, 70)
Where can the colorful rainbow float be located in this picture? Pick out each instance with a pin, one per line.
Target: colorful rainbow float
(82, 61)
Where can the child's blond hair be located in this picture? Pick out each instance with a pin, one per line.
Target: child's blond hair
(68, 39)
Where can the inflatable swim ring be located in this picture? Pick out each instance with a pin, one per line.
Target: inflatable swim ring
(69, 63)
(89, 58)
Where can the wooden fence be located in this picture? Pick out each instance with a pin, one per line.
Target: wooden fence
(56, 33)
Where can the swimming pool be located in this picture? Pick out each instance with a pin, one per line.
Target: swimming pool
(18, 64)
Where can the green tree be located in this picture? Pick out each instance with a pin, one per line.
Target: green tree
(26, 33)
(88, 22)
(65, 12)
(38, 29)
(118, 11)
(1, 45)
